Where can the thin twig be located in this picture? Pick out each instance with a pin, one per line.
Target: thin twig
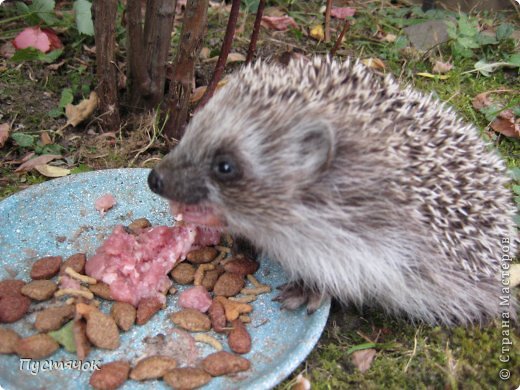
(224, 51)
(327, 20)
(256, 31)
(340, 38)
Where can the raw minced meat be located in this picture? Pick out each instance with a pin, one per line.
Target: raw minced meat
(195, 298)
(136, 266)
(105, 203)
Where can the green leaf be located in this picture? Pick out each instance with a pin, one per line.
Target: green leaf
(515, 173)
(80, 168)
(460, 51)
(516, 111)
(53, 56)
(28, 54)
(32, 54)
(49, 149)
(22, 8)
(516, 189)
(83, 14)
(467, 26)
(504, 31)
(401, 42)
(485, 39)
(468, 42)
(514, 59)
(451, 29)
(66, 97)
(56, 112)
(65, 336)
(486, 68)
(491, 112)
(360, 347)
(24, 140)
(45, 10)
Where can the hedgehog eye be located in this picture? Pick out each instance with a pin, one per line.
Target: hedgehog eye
(225, 168)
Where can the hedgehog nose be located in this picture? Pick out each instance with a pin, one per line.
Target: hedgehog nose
(155, 182)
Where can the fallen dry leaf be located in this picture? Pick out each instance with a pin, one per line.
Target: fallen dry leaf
(481, 101)
(390, 38)
(235, 57)
(279, 23)
(45, 138)
(363, 359)
(5, 129)
(432, 76)
(342, 12)
(78, 113)
(374, 63)
(442, 67)
(317, 32)
(232, 57)
(204, 53)
(199, 91)
(40, 160)
(506, 124)
(52, 171)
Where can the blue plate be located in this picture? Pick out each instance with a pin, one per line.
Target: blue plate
(58, 218)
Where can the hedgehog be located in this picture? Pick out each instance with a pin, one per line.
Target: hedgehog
(363, 190)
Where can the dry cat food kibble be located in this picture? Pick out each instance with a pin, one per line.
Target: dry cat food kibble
(46, 267)
(146, 309)
(110, 376)
(223, 363)
(11, 287)
(102, 290)
(184, 273)
(13, 307)
(152, 367)
(192, 320)
(239, 339)
(228, 285)
(213, 283)
(8, 341)
(124, 315)
(37, 346)
(39, 290)
(53, 318)
(76, 262)
(187, 378)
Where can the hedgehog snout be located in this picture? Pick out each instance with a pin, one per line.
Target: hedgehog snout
(181, 184)
(155, 182)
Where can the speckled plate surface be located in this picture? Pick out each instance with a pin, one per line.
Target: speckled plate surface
(58, 218)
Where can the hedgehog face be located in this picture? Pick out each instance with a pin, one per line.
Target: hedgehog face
(244, 162)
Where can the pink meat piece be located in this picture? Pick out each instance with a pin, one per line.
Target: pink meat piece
(68, 282)
(136, 267)
(197, 298)
(105, 203)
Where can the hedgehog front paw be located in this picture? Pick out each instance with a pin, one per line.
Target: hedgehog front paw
(295, 294)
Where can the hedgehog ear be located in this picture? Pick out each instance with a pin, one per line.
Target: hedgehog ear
(317, 144)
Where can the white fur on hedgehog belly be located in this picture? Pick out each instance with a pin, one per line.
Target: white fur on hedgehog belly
(374, 272)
